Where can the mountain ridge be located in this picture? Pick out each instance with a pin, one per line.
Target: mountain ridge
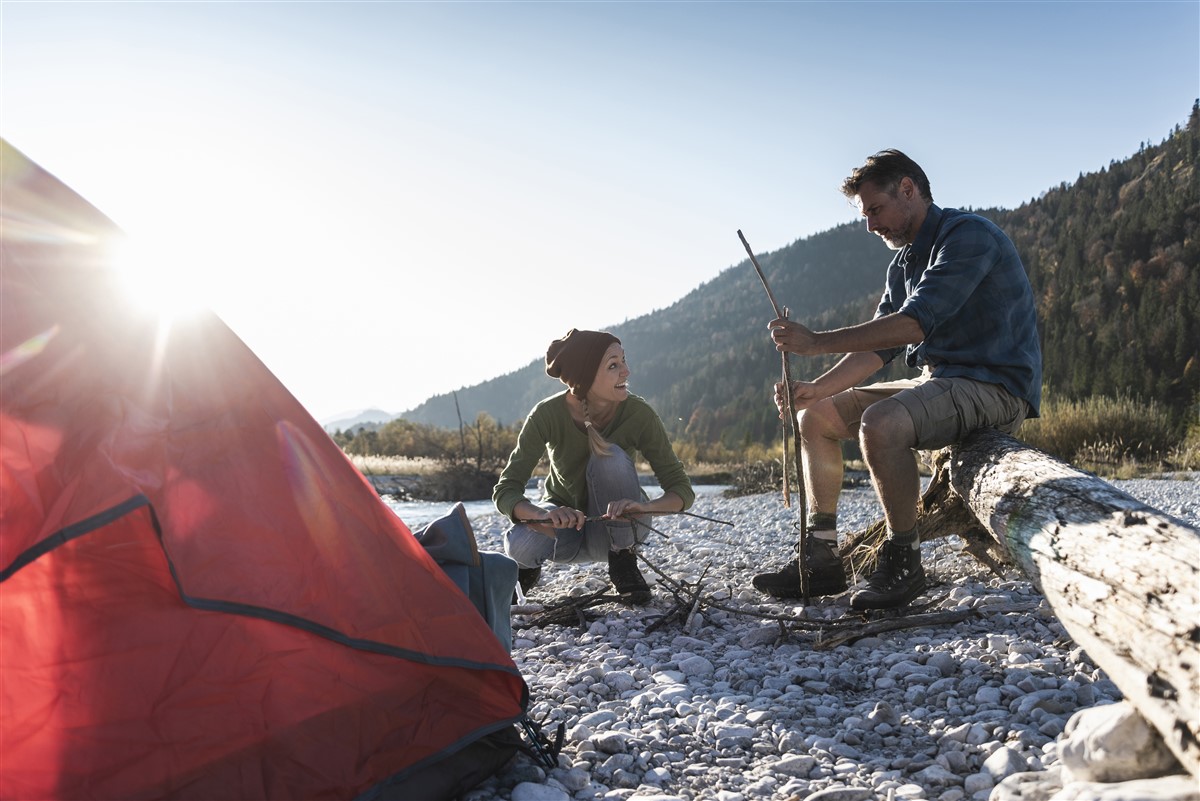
(1108, 256)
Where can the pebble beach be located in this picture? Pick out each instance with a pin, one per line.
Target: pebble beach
(743, 697)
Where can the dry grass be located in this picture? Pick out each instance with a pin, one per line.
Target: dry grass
(394, 465)
(1119, 437)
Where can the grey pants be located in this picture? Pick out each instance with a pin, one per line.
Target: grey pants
(609, 478)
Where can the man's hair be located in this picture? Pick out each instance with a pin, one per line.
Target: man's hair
(886, 169)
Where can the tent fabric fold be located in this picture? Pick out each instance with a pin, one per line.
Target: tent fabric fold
(200, 597)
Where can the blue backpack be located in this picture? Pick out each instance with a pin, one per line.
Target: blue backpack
(486, 577)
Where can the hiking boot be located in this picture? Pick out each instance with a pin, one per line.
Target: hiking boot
(526, 577)
(625, 576)
(897, 580)
(826, 575)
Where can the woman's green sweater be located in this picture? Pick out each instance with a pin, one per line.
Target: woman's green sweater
(549, 427)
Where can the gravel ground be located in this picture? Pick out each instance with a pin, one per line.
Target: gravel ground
(728, 704)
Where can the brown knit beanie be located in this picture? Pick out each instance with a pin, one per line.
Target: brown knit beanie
(575, 358)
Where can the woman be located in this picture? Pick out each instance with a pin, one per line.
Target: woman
(591, 431)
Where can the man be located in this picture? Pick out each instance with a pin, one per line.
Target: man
(958, 304)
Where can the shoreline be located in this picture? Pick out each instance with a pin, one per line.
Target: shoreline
(731, 706)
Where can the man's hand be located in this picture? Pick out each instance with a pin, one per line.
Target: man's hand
(804, 394)
(791, 337)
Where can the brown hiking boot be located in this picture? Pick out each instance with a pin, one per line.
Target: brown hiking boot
(826, 575)
(896, 582)
(625, 576)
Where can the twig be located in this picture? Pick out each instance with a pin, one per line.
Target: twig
(946, 617)
(801, 555)
(594, 518)
(570, 610)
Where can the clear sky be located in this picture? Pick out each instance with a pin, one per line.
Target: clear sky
(390, 200)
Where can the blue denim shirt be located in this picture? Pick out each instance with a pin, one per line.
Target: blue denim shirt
(963, 281)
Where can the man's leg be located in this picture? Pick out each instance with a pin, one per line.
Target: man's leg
(821, 433)
(888, 436)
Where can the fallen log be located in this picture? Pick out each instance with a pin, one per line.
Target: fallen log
(1122, 577)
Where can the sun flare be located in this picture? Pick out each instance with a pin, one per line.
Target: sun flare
(157, 279)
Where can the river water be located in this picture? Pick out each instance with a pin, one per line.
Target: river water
(418, 514)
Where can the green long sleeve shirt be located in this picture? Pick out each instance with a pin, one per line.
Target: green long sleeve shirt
(549, 427)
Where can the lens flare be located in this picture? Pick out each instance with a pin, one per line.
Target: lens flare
(158, 279)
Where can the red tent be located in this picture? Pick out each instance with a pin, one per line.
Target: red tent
(200, 597)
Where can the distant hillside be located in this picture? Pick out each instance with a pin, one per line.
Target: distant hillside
(369, 418)
(1114, 259)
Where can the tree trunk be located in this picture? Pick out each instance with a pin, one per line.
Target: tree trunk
(1122, 577)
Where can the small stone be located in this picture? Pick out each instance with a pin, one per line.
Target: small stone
(597, 719)
(937, 776)
(1004, 762)
(1027, 786)
(528, 791)
(987, 696)
(612, 742)
(795, 765)
(696, 666)
(842, 794)
(978, 782)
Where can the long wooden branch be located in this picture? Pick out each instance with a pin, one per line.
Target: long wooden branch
(1122, 577)
(792, 423)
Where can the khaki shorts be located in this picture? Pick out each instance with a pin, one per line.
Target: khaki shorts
(943, 410)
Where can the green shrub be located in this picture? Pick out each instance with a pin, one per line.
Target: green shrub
(1109, 436)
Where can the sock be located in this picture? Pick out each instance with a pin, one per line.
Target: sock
(822, 521)
(909, 537)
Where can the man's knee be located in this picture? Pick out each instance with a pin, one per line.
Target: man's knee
(821, 420)
(887, 424)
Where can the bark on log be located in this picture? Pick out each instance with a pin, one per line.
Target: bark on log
(1122, 577)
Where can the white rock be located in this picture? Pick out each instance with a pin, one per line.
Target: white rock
(1004, 762)
(1027, 786)
(762, 635)
(597, 719)
(696, 666)
(657, 776)
(577, 734)
(795, 765)
(937, 776)
(978, 782)
(987, 696)
(620, 681)
(575, 779)
(612, 742)
(528, 791)
(1113, 743)
(842, 794)
(1166, 788)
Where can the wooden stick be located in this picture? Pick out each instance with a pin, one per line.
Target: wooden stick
(787, 382)
(795, 425)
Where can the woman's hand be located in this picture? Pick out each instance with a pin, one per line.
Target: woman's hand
(624, 508)
(556, 517)
(565, 517)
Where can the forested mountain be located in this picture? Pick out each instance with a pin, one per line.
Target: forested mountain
(1114, 259)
